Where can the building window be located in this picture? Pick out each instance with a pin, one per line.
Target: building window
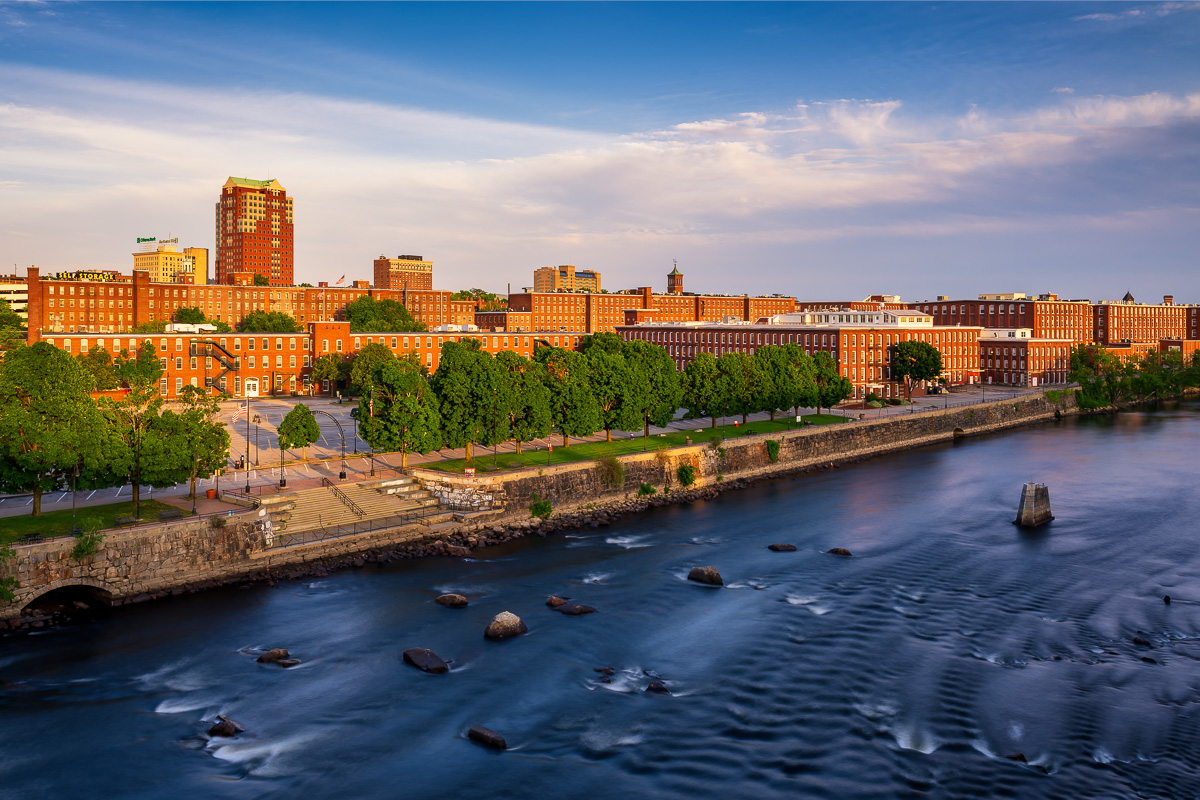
(339, 345)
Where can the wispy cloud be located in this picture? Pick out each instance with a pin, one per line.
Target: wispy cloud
(1142, 12)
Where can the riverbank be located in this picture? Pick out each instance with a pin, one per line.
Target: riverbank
(188, 556)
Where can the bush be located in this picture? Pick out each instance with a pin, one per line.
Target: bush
(872, 398)
(539, 507)
(895, 401)
(772, 450)
(875, 404)
(686, 475)
(217, 522)
(646, 489)
(87, 544)
(1054, 395)
(611, 472)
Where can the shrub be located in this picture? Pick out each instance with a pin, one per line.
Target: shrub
(872, 398)
(895, 401)
(87, 544)
(876, 404)
(646, 489)
(611, 472)
(1054, 395)
(539, 507)
(772, 450)
(720, 477)
(216, 522)
(7, 583)
(686, 475)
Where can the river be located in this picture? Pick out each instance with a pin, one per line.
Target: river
(950, 640)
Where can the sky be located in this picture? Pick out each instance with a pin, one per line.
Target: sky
(826, 151)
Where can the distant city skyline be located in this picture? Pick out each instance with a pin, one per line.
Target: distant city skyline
(824, 151)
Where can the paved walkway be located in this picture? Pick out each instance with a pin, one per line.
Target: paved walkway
(325, 456)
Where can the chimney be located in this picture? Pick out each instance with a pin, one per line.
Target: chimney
(1168, 299)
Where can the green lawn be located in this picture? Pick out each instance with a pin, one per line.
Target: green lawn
(58, 523)
(588, 451)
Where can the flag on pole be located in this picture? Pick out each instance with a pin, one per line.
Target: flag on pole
(241, 410)
(340, 281)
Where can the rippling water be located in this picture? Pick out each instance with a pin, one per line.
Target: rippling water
(950, 640)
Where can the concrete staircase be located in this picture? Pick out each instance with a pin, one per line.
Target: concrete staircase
(377, 499)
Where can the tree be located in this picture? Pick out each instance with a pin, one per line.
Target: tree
(653, 372)
(194, 316)
(298, 428)
(607, 342)
(362, 366)
(484, 301)
(529, 409)
(744, 384)
(831, 387)
(259, 321)
(10, 318)
(798, 387)
(99, 364)
(458, 384)
(48, 421)
(406, 411)
(916, 361)
(704, 393)
(150, 326)
(573, 407)
(261, 280)
(330, 367)
(306, 286)
(614, 389)
(145, 453)
(206, 439)
(367, 315)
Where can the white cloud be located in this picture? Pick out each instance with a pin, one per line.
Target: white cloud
(1063, 90)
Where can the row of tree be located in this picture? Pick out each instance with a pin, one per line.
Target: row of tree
(55, 435)
(475, 398)
(1106, 380)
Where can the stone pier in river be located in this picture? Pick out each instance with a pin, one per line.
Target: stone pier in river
(1035, 506)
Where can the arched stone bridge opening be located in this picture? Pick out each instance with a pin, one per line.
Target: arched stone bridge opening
(72, 597)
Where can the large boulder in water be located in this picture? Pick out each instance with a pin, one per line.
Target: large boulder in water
(451, 600)
(554, 601)
(271, 656)
(224, 726)
(840, 551)
(782, 548)
(487, 737)
(425, 659)
(707, 575)
(504, 625)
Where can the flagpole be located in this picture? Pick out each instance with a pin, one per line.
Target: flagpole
(247, 444)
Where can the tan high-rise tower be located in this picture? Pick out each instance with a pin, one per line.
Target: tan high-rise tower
(254, 231)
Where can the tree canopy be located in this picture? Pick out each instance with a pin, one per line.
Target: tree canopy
(573, 407)
(193, 315)
(261, 280)
(406, 411)
(259, 321)
(914, 361)
(362, 366)
(99, 364)
(298, 429)
(368, 315)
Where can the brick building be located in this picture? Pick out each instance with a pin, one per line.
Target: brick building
(1127, 320)
(254, 231)
(565, 278)
(1046, 316)
(1015, 357)
(403, 272)
(860, 342)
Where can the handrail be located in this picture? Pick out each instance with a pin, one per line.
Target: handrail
(350, 504)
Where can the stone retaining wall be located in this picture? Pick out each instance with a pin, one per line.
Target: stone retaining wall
(136, 564)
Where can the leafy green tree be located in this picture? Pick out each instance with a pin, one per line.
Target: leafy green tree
(193, 315)
(704, 393)
(745, 385)
(798, 386)
(99, 364)
(48, 421)
(367, 315)
(831, 387)
(614, 389)
(658, 382)
(604, 341)
(205, 438)
(150, 326)
(1099, 374)
(306, 286)
(914, 361)
(330, 367)
(261, 280)
(148, 449)
(362, 366)
(573, 407)
(529, 411)
(298, 428)
(458, 384)
(10, 318)
(259, 321)
(406, 411)
(484, 301)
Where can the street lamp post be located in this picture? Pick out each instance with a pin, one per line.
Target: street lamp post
(282, 479)
(257, 421)
(247, 465)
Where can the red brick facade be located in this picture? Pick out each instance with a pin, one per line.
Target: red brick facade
(254, 232)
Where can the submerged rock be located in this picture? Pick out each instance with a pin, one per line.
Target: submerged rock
(504, 625)
(575, 610)
(604, 670)
(1167, 599)
(271, 656)
(224, 726)
(487, 737)
(782, 548)
(706, 575)
(451, 600)
(425, 660)
(288, 662)
(1142, 640)
(656, 687)
(1017, 757)
(840, 551)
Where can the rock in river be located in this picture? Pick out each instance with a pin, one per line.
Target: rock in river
(575, 610)
(707, 575)
(554, 601)
(782, 548)
(271, 656)
(840, 551)
(504, 625)
(425, 659)
(224, 726)
(487, 736)
(656, 687)
(451, 600)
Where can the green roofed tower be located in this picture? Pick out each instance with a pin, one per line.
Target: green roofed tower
(254, 233)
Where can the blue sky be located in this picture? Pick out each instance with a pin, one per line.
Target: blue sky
(820, 150)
